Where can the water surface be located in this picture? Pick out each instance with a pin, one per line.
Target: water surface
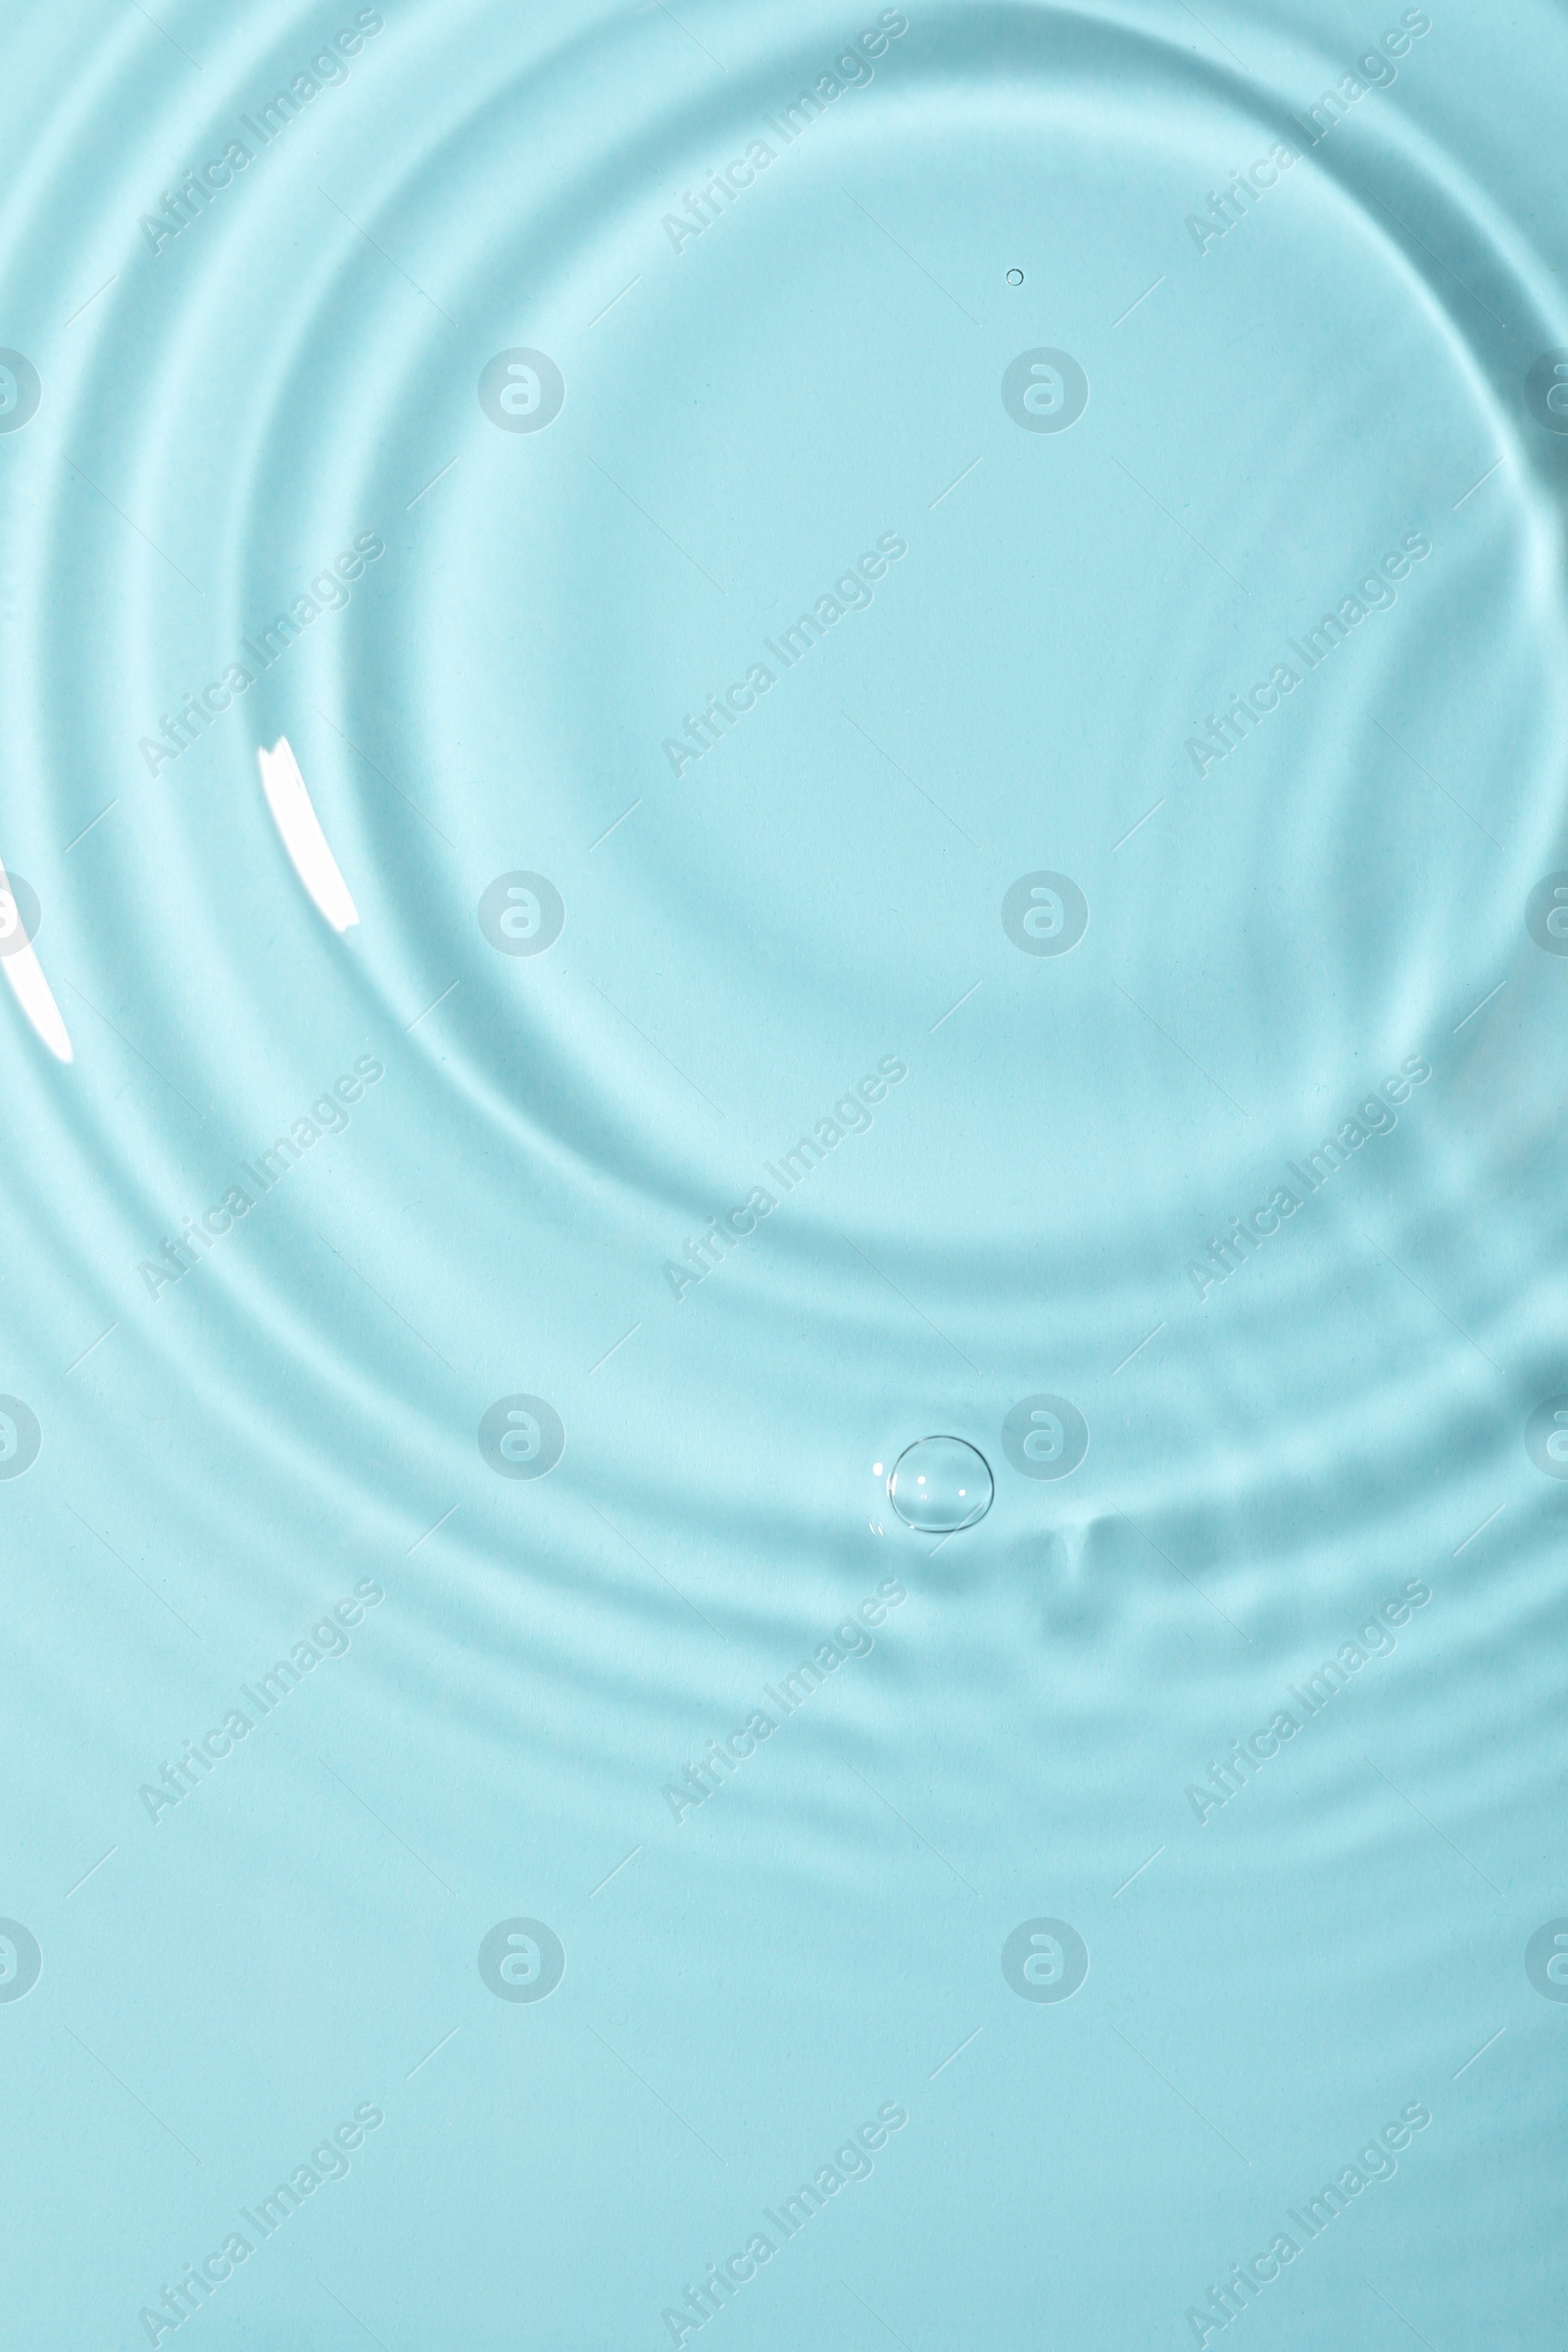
(910, 670)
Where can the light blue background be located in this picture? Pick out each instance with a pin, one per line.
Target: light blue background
(1267, 1463)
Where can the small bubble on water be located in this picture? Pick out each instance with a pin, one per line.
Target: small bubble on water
(940, 1485)
(1016, 278)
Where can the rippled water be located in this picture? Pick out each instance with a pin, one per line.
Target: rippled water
(719, 914)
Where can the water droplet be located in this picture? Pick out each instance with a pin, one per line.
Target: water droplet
(1016, 278)
(940, 1485)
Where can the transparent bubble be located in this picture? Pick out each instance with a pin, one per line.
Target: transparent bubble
(940, 1485)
